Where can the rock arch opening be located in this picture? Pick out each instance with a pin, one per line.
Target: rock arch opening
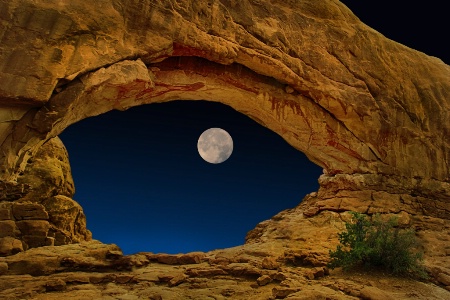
(371, 112)
(295, 116)
(320, 125)
(276, 105)
(143, 186)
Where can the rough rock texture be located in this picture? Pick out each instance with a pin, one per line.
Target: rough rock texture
(373, 113)
(38, 210)
(49, 176)
(287, 267)
(48, 173)
(352, 100)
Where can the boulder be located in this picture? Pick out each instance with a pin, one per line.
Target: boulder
(10, 245)
(29, 211)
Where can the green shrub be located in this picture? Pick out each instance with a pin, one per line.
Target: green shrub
(378, 244)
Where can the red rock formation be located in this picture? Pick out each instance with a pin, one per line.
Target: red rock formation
(358, 102)
(373, 113)
(43, 213)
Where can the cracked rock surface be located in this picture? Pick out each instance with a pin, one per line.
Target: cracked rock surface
(286, 261)
(351, 99)
(373, 113)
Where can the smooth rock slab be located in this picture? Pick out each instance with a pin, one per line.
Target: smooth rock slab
(5, 214)
(10, 245)
(33, 227)
(3, 268)
(373, 293)
(29, 211)
(8, 228)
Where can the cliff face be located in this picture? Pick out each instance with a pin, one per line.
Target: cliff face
(352, 100)
(373, 113)
(40, 211)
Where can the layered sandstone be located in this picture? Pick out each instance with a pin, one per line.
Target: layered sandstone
(352, 100)
(373, 113)
(288, 262)
(42, 213)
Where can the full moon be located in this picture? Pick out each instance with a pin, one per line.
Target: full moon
(215, 145)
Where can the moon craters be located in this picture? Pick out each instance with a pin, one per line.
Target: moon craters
(215, 145)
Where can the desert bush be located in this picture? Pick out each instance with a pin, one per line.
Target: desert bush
(378, 244)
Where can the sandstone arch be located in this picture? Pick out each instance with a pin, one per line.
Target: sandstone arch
(373, 113)
(384, 105)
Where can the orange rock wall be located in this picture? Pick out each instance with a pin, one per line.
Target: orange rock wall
(373, 113)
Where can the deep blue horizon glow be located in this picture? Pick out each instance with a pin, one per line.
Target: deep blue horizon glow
(143, 185)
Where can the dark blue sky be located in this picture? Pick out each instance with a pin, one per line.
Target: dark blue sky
(143, 185)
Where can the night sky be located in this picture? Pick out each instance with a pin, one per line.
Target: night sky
(144, 187)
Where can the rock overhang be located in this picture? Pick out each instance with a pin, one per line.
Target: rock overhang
(129, 83)
(352, 100)
(373, 113)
